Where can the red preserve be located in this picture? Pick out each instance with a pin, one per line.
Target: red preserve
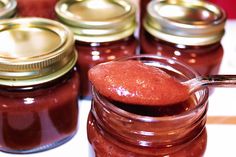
(103, 32)
(191, 32)
(143, 5)
(36, 8)
(7, 8)
(38, 85)
(120, 129)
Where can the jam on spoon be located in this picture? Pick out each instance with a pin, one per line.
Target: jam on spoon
(135, 83)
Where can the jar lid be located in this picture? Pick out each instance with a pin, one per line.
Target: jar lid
(97, 20)
(185, 22)
(34, 51)
(7, 8)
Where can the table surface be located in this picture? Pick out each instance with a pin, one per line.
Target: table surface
(221, 125)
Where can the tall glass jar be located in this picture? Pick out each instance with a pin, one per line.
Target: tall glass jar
(118, 129)
(38, 85)
(103, 31)
(191, 32)
(7, 8)
(36, 8)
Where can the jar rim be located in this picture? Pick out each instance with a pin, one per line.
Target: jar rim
(136, 117)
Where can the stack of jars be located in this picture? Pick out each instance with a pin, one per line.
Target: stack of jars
(45, 61)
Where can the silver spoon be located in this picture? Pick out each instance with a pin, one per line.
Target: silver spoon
(212, 80)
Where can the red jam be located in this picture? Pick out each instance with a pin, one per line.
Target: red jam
(38, 115)
(90, 54)
(103, 146)
(195, 56)
(133, 82)
(143, 6)
(36, 8)
(116, 128)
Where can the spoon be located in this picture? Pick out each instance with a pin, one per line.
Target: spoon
(134, 83)
(212, 80)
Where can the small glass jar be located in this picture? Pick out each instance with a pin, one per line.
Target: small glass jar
(103, 31)
(36, 8)
(117, 129)
(191, 32)
(7, 8)
(38, 85)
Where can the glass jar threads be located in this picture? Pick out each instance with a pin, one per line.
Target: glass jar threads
(103, 31)
(190, 32)
(121, 129)
(38, 85)
(7, 8)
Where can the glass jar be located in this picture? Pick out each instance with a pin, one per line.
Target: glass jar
(103, 31)
(38, 85)
(191, 33)
(117, 129)
(7, 8)
(36, 8)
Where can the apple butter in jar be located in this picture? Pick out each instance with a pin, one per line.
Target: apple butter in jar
(38, 85)
(103, 31)
(189, 31)
(126, 121)
(36, 8)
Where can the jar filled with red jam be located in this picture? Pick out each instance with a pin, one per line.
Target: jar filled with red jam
(36, 8)
(103, 31)
(143, 5)
(7, 8)
(38, 85)
(189, 31)
(120, 129)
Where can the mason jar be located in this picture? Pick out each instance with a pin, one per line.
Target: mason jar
(104, 31)
(118, 129)
(38, 85)
(189, 31)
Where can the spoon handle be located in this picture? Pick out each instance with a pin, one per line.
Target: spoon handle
(212, 80)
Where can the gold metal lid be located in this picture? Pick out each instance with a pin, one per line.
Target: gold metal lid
(98, 20)
(7, 8)
(185, 22)
(34, 51)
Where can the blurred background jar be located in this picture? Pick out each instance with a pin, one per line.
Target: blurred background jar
(7, 8)
(36, 8)
(103, 31)
(189, 31)
(38, 85)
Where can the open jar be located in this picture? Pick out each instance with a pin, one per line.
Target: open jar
(7, 8)
(103, 31)
(190, 31)
(38, 85)
(117, 129)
